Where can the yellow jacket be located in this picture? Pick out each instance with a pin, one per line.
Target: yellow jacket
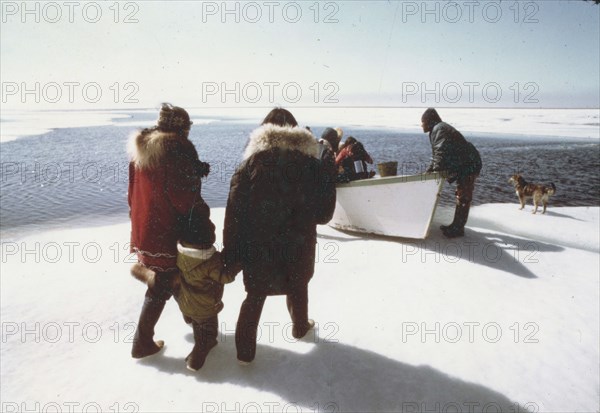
(201, 282)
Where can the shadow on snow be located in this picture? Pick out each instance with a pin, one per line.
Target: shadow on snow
(340, 376)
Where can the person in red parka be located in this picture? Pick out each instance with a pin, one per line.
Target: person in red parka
(165, 206)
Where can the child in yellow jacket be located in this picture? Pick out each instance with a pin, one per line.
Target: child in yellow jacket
(199, 297)
(198, 289)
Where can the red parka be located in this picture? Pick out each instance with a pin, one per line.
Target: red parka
(165, 198)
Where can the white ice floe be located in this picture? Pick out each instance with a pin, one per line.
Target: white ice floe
(504, 318)
(15, 125)
(564, 123)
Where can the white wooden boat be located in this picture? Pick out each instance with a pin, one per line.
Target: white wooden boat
(396, 206)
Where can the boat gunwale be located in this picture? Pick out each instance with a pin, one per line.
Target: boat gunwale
(428, 176)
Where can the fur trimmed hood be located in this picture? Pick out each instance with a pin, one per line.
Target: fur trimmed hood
(271, 136)
(148, 150)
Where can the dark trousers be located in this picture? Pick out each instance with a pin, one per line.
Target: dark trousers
(465, 185)
(247, 324)
(464, 195)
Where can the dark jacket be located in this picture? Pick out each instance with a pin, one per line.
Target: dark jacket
(164, 198)
(278, 195)
(346, 159)
(332, 137)
(452, 153)
(327, 157)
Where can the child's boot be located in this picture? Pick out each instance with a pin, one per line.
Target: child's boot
(205, 338)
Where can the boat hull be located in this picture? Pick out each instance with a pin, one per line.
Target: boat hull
(397, 206)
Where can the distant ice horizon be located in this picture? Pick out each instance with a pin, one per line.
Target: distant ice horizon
(549, 122)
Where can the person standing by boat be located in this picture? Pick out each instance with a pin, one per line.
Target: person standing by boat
(165, 206)
(458, 160)
(277, 197)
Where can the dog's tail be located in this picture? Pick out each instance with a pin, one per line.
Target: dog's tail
(552, 189)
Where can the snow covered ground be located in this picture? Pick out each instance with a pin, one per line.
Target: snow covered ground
(504, 319)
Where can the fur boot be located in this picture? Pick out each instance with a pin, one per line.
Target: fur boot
(143, 341)
(205, 338)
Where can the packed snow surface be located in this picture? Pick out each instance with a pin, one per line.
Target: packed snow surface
(504, 319)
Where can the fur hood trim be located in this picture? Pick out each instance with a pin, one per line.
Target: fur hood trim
(147, 151)
(271, 136)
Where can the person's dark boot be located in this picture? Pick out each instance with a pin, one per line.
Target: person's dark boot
(299, 331)
(457, 228)
(453, 232)
(297, 304)
(205, 338)
(454, 221)
(247, 328)
(143, 341)
(445, 227)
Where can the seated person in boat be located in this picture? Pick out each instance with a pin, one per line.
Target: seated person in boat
(352, 160)
(331, 138)
(351, 140)
(328, 144)
(348, 142)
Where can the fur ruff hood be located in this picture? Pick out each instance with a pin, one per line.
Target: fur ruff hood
(271, 136)
(147, 151)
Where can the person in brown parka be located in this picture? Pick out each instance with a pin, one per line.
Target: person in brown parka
(278, 195)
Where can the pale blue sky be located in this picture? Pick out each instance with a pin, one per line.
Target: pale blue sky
(377, 53)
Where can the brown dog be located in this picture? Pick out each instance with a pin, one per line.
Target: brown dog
(537, 192)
